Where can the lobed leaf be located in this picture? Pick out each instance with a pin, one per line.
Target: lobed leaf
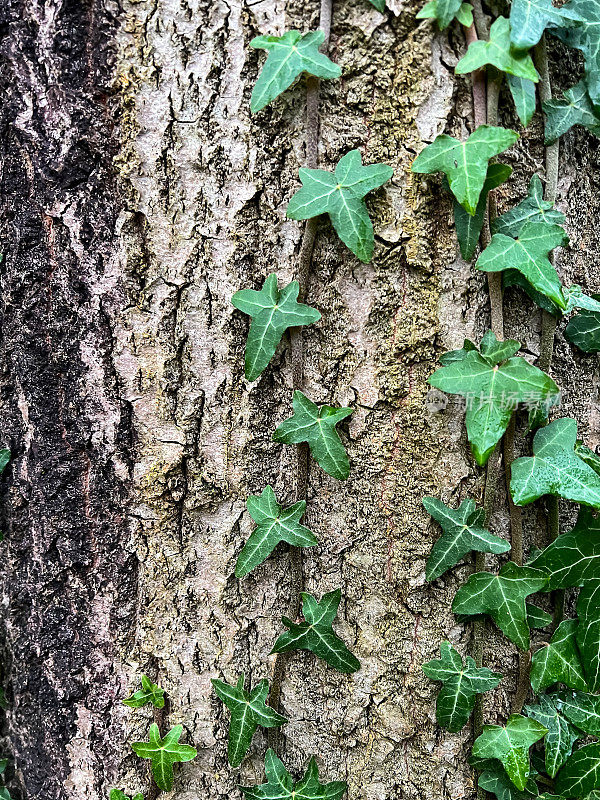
(510, 745)
(561, 736)
(498, 52)
(533, 208)
(444, 11)
(559, 661)
(573, 558)
(581, 773)
(494, 779)
(588, 632)
(117, 794)
(280, 785)
(163, 753)
(582, 710)
(149, 693)
(585, 37)
(575, 109)
(583, 331)
(530, 18)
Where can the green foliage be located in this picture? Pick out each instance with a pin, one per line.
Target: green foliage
(280, 785)
(573, 558)
(4, 793)
(273, 525)
(493, 382)
(537, 617)
(561, 735)
(149, 693)
(4, 459)
(576, 109)
(461, 683)
(530, 18)
(163, 753)
(510, 745)
(248, 711)
(583, 331)
(555, 468)
(117, 794)
(585, 37)
(341, 195)
(588, 632)
(379, 5)
(444, 11)
(465, 164)
(559, 661)
(503, 597)
(523, 95)
(462, 532)
(316, 425)
(316, 633)
(495, 780)
(582, 710)
(499, 53)
(288, 57)
(532, 208)
(581, 773)
(272, 312)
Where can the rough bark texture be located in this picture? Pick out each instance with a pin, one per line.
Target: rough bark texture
(137, 195)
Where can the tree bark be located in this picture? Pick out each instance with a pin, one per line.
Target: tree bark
(138, 194)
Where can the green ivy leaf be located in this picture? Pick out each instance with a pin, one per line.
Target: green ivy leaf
(444, 11)
(4, 459)
(463, 531)
(523, 95)
(465, 164)
(502, 596)
(498, 53)
(573, 558)
(280, 785)
(532, 209)
(273, 525)
(248, 711)
(163, 753)
(6, 795)
(585, 37)
(495, 780)
(530, 18)
(117, 794)
(576, 298)
(493, 383)
(316, 633)
(149, 693)
(554, 468)
(537, 617)
(576, 109)
(583, 710)
(272, 312)
(341, 195)
(316, 425)
(558, 662)
(379, 5)
(583, 331)
(591, 458)
(461, 683)
(288, 57)
(581, 773)
(561, 735)
(588, 632)
(510, 745)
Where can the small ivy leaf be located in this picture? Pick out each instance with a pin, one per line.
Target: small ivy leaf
(591, 458)
(444, 11)
(588, 632)
(272, 312)
(581, 773)
(462, 532)
(316, 633)
(561, 736)
(248, 711)
(149, 693)
(531, 209)
(585, 37)
(493, 390)
(341, 195)
(280, 785)
(456, 698)
(576, 109)
(529, 255)
(573, 558)
(117, 794)
(465, 164)
(498, 53)
(537, 617)
(379, 5)
(288, 57)
(576, 298)
(554, 468)
(273, 525)
(510, 745)
(503, 597)
(583, 710)
(523, 95)
(559, 661)
(530, 18)
(163, 753)
(583, 331)
(4, 459)
(316, 425)
(495, 780)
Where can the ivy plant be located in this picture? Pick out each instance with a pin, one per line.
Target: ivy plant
(576, 109)
(117, 794)
(561, 736)
(583, 330)
(445, 11)
(4, 459)
(573, 558)
(524, 98)
(582, 710)
(530, 18)
(532, 208)
(280, 784)
(585, 37)
(494, 779)
(559, 661)
(498, 52)
(379, 5)
(588, 632)
(581, 773)
(163, 753)
(149, 693)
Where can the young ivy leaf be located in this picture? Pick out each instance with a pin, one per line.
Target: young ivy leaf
(273, 525)
(149, 693)
(573, 558)
(583, 710)
(493, 382)
(341, 195)
(444, 11)
(465, 164)
(510, 745)
(588, 632)
(523, 95)
(463, 532)
(554, 468)
(581, 773)
(316, 425)
(576, 109)
(561, 736)
(495, 780)
(288, 57)
(503, 597)
(117, 794)
(585, 37)
(280, 785)
(530, 18)
(532, 209)
(583, 331)
(163, 753)
(316, 633)
(498, 53)
(272, 312)
(461, 683)
(248, 711)
(559, 661)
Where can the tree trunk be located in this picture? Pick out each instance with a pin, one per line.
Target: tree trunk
(138, 194)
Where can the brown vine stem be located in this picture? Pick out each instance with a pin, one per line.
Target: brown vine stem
(297, 360)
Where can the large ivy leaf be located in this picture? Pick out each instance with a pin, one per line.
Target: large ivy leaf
(583, 331)
(461, 683)
(503, 597)
(495, 780)
(280, 785)
(272, 312)
(510, 745)
(444, 11)
(273, 525)
(523, 95)
(493, 382)
(463, 531)
(316, 633)
(532, 208)
(465, 164)
(575, 109)
(499, 53)
(555, 468)
(316, 425)
(585, 37)
(573, 558)
(341, 195)
(581, 773)
(288, 57)
(117, 794)
(248, 711)
(559, 661)
(583, 710)
(561, 735)
(530, 18)
(588, 632)
(149, 693)
(163, 753)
